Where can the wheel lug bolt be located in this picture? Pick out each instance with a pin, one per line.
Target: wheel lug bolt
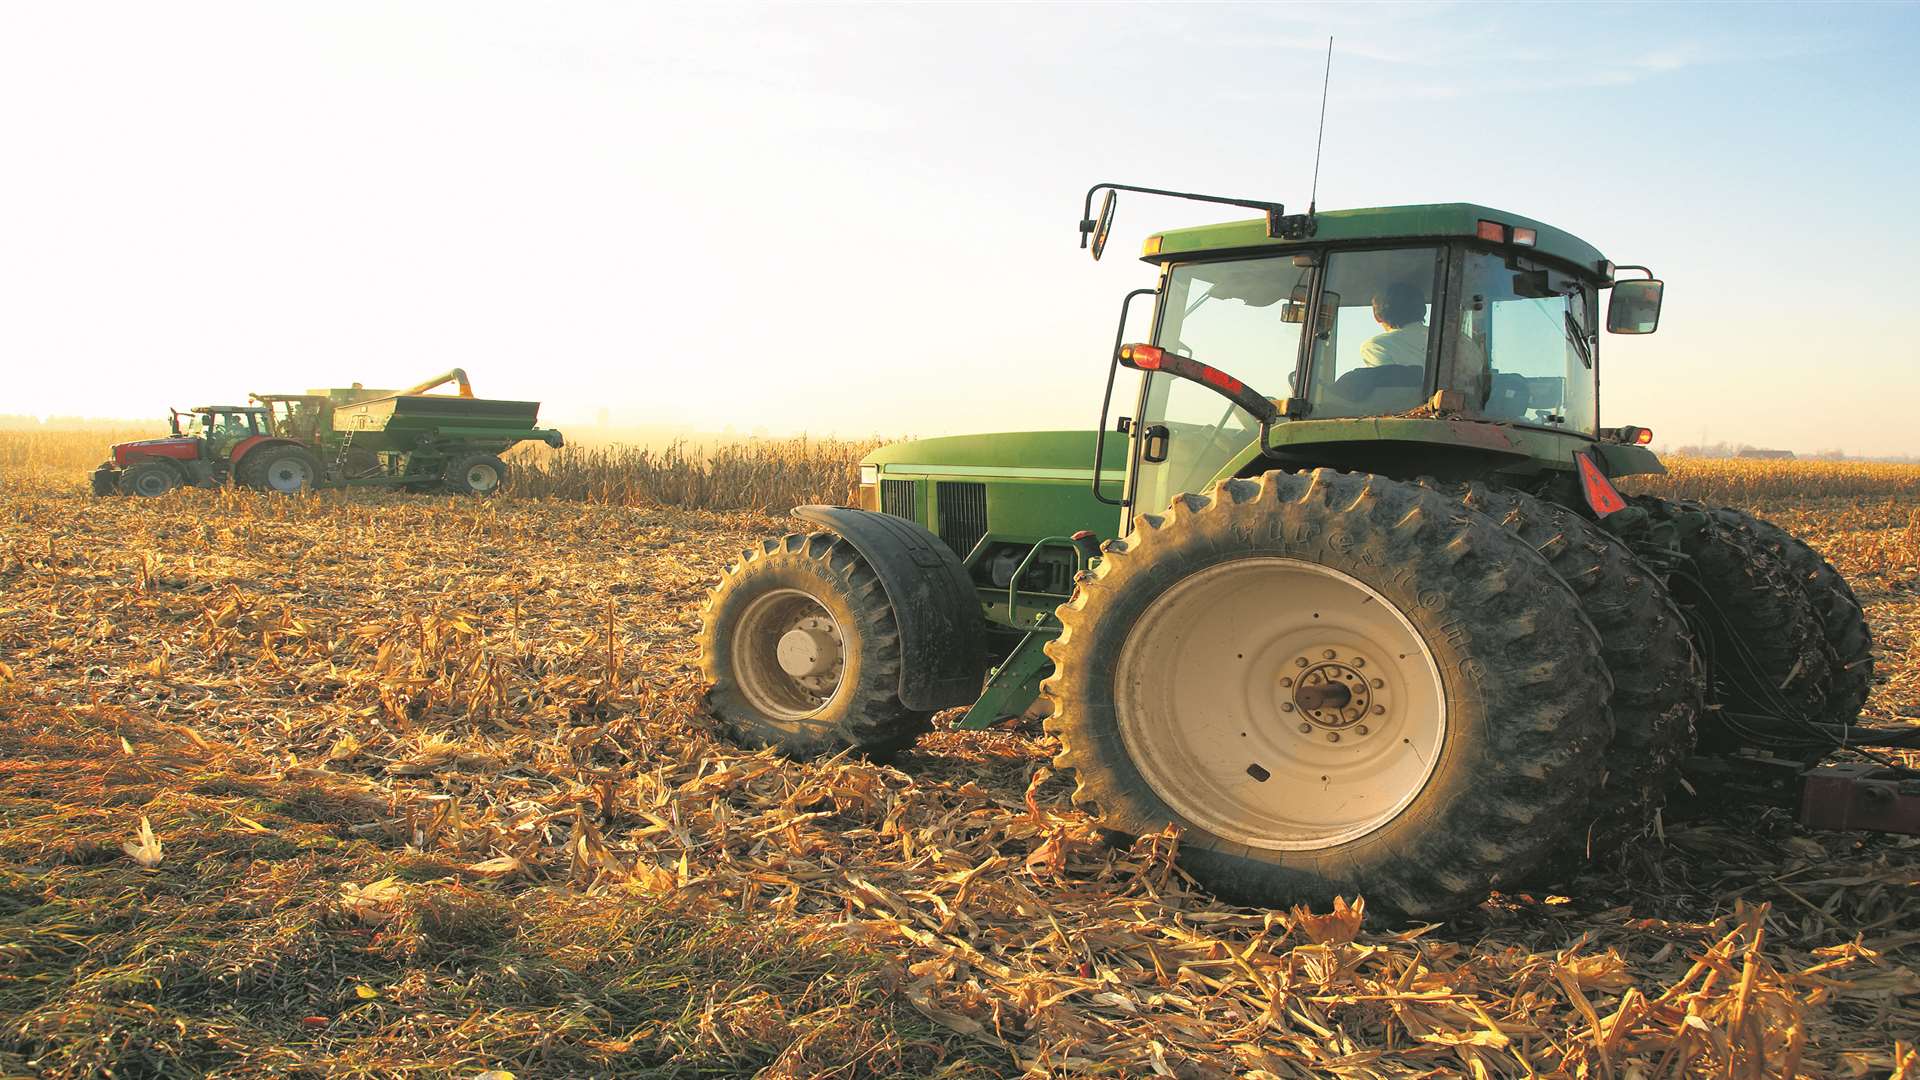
(1286, 706)
(1379, 683)
(1333, 736)
(1287, 681)
(1300, 662)
(1379, 710)
(1361, 730)
(1329, 654)
(1304, 728)
(1359, 661)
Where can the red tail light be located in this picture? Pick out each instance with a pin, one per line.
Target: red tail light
(1144, 357)
(1492, 230)
(1643, 436)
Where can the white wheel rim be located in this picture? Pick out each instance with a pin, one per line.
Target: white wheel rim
(152, 484)
(482, 478)
(788, 654)
(1223, 702)
(288, 475)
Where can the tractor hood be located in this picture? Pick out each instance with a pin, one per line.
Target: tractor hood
(1053, 454)
(184, 447)
(167, 440)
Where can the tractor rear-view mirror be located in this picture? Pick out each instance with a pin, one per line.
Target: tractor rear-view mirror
(1104, 225)
(1295, 309)
(1635, 307)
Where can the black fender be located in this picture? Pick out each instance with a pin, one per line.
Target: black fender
(943, 636)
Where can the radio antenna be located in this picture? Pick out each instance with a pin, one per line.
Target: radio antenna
(1325, 81)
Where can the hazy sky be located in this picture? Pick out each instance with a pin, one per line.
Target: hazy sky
(861, 219)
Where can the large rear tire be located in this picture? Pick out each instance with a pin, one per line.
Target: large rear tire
(1647, 646)
(802, 650)
(283, 470)
(1762, 644)
(1332, 684)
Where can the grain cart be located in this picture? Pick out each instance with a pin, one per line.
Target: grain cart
(1348, 597)
(337, 437)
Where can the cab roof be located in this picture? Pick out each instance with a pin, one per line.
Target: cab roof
(1426, 221)
(224, 408)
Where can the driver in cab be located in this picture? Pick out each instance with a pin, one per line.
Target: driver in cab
(1402, 314)
(1393, 363)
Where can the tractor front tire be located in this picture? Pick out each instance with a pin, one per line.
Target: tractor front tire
(476, 474)
(150, 479)
(802, 650)
(1647, 646)
(1763, 645)
(1332, 684)
(283, 470)
(106, 481)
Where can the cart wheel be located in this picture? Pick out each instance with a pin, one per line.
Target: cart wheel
(476, 474)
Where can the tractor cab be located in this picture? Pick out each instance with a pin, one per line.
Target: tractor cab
(1451, 340)
(221, 427)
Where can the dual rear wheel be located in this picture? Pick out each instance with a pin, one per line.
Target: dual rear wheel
(1332, 684)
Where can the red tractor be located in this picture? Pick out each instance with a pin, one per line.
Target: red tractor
(216, 444)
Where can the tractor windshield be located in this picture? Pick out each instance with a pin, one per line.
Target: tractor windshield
(1242, 316)
(1534, 326)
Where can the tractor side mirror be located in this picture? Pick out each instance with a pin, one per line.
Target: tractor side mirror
(1635, 306)
(1100, 228)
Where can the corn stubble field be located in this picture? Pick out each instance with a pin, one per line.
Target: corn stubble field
(376, 784)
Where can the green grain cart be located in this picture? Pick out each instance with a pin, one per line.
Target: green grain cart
(1348, 598)
(408, 438)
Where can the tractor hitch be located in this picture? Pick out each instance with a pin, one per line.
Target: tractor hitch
(1860, 796)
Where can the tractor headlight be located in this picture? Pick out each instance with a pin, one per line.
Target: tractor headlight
(868, 495)
(869, 475)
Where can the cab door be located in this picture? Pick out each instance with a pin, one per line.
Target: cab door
(1242, 316)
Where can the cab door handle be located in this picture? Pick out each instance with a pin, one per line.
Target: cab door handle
(1153, 443)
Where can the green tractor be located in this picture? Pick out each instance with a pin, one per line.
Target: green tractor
(1348, 598)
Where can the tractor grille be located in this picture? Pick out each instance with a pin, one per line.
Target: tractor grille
(900, 498)
(963, 514)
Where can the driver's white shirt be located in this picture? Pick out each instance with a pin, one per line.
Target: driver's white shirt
(1406, 346)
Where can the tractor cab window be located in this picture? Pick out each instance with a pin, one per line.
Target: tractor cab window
(1242, 316)
(233, 424)
(1534, 326)
(1372, 347)
(225, 428)
(296, 418)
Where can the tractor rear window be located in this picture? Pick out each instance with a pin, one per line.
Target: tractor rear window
(1534, 326)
